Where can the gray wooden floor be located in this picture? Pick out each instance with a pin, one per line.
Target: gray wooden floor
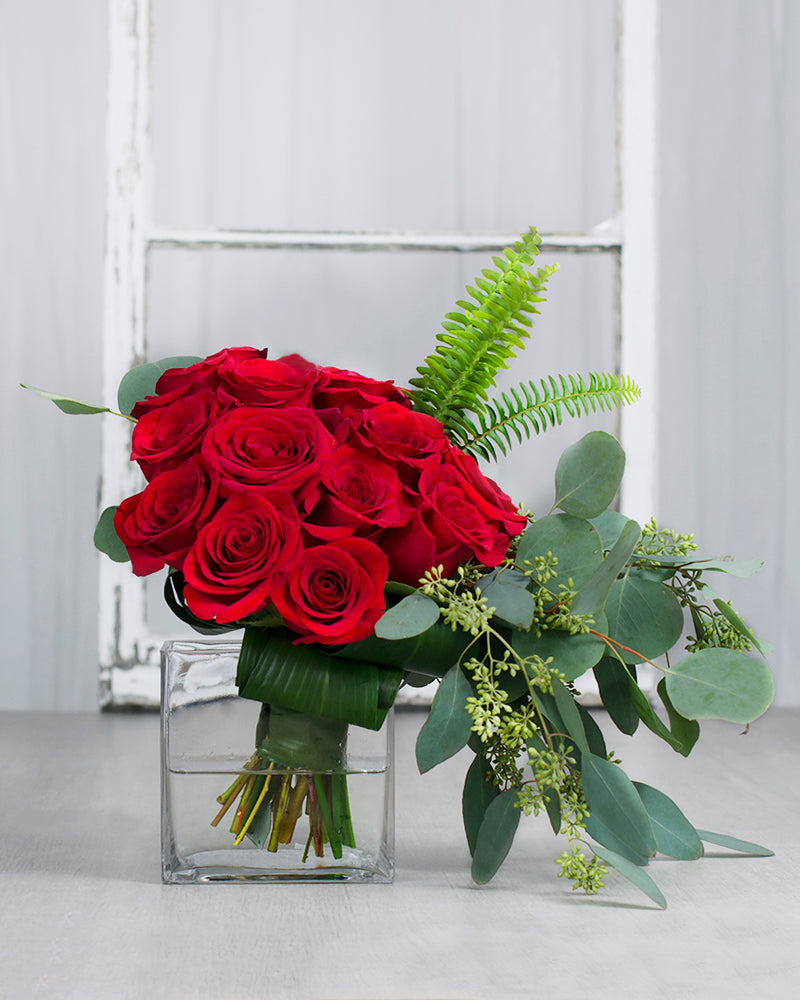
(83, 913)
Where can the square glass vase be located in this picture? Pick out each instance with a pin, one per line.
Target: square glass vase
(304, 799)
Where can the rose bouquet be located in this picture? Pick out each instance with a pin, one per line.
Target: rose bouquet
(345, 525)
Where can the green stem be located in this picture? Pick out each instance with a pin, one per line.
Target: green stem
(340, 802)
(279, 810)
(326, 816)
(615, 646)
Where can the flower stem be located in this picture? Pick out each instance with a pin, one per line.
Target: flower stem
(255, 809)
(279, 812)
(293, 809)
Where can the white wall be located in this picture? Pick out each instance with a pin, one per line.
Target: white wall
(729, 153)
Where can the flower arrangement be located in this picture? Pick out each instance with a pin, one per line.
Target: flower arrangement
(345, 525)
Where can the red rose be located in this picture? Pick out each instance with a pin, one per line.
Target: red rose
(402, 435)
(335, 594)
(462, 505)
(257, 448)
(413, 549)
(164, 437)
(208, 372)
(493, 501)
(234, 565)
(362, 496)
(462, 514)
(159, 525)
(298, 361)
(259, 382)
(351, 392)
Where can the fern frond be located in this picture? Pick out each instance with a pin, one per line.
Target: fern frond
(482, 335)
(533, 407)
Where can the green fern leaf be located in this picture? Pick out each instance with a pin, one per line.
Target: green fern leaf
(481, 338)
(532, 408)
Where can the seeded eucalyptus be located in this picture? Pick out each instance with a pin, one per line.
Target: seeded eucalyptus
(584, 589)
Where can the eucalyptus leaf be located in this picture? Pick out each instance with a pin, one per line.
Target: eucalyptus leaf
(633, 874)
(740, 568)
(720, 683)
(552, 803)
(686, 731)
(588, 475)
(141, 380)
(507, 592)
(66, 404)
(603, 835)
(614, 802)
(609, 526)
(612, 682)
(411, 616)
(432, 652)
(573, 541)
(675, 835)
(573, 655)
(106, 538)
(495, 836)
(592, 596)
(730, 615)
(568, 711)
(734, 844)
(479, 792)
(647, 714)
(546, 704)
(658, 573)
(594, 734)
(448, 726)
(644, 616)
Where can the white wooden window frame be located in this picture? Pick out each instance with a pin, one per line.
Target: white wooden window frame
(129, 648)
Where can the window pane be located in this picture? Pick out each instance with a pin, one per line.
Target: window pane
(379, 114)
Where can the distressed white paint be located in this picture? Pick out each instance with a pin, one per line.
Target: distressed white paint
(606, 237)
(638, 79)
(123, 634)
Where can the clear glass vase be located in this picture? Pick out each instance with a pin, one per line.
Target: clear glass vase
(255, 794)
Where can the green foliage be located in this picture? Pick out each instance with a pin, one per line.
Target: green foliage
(106, 538)
(675, 835)
(495, 836)
(141, 380)
(576, 594)
(66, 404)
(613, 684)
(505, 591)
(479, 792)
(273, 670)
(720, 684)
(532, 408)
(617, 817)
(685, 731)
(589, 474)
(643, 615)
(574, 542)
(447, 728)
(734, 844)
(481, 336)
(634, 874)
(409, 617)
